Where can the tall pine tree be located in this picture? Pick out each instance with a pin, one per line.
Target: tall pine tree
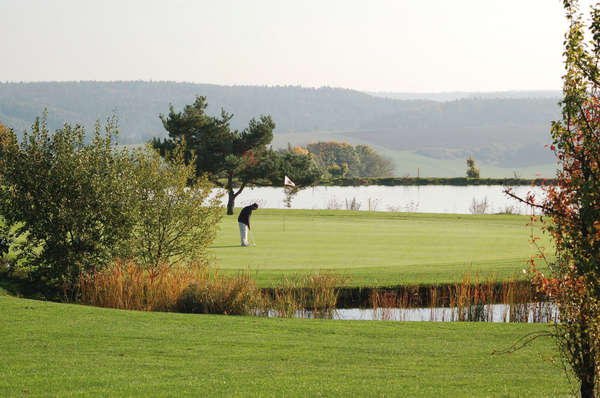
(231, 159)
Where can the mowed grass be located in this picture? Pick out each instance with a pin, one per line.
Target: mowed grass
(378, 248)
(61, 350)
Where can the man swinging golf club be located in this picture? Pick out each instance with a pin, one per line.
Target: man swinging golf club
(244, 222)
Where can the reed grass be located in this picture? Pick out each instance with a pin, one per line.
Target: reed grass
(472, 297)
(304, 295)
(213, 293)
(194, 289)
(203, 289)
(383, 303)
(470, 300)
(128, 285)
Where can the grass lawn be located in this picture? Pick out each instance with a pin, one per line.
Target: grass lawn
(60, 350)
(376, 248)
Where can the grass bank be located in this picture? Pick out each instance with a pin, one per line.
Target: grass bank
(65, 350)
(377, 248)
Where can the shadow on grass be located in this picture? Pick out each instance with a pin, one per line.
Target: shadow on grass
(223, 247)
(10, 288)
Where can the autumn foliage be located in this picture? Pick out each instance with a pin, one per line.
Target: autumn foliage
(572, 205)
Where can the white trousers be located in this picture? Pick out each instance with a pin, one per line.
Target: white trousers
(244, 233)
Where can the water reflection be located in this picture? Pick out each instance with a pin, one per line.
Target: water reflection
(526, 313)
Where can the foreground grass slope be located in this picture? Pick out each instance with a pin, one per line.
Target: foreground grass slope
(59, 350)
(377, 248)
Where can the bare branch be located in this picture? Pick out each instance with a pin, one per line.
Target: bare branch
(524, 341)
(508, 192)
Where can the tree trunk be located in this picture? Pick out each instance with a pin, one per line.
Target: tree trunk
(587, 389)
(230, 201)
(587, 371)
(231, 195)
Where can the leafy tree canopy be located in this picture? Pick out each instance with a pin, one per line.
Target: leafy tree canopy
(472, 171)
(573, 204)
(340, 159)
(230, 158)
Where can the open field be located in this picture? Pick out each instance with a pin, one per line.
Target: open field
(61, 350)
(377, 248)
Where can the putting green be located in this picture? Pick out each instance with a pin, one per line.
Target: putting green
(377, 248)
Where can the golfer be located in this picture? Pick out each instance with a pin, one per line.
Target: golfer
(244, 222)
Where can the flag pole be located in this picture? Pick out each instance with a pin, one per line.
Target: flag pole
(287, 190)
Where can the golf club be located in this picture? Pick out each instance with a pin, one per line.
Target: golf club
(252, 238)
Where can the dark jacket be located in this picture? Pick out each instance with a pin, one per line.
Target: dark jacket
(245, 214)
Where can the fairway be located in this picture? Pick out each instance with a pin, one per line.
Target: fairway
(61, 350)
(377, 248)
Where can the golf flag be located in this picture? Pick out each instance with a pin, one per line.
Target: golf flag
(288, 182)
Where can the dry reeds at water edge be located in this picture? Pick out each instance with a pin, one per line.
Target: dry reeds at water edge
(127, 285)
(197, 288)
(202, 289)
(313, 295)
(214, 293)
(471, 299)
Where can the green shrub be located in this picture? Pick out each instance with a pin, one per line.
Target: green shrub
(74, 199)
(82, 205)
(176, 216)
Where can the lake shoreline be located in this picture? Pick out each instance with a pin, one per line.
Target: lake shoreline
(454, 199)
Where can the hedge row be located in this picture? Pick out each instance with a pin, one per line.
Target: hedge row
(458, 181)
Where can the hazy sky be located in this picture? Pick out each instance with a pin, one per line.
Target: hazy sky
(375, 45)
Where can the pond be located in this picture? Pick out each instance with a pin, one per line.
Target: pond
(523, 313)
(424, 199)
(528, 313)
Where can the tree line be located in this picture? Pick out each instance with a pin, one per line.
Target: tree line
(340, 159)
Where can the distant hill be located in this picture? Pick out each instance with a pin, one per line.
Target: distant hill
(138, 105)
(456, 95)
(506, 130)
(503, 132)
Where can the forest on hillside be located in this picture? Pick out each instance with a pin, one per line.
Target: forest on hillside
(502, 131)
